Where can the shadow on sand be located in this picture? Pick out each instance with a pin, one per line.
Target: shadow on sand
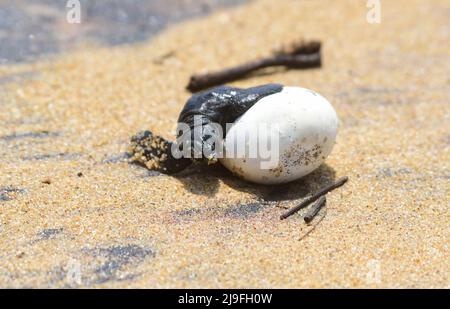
(205, 180)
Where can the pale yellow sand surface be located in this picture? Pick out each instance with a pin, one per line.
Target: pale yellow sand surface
(119, 225)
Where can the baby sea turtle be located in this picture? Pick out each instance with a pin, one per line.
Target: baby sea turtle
(303, 122)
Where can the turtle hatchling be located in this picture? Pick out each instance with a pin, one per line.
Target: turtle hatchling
(269, 134)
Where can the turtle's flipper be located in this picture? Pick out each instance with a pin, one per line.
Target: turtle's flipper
(224, 104)
(246, 98)
(154, 152)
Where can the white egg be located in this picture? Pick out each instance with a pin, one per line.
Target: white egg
(302, 126)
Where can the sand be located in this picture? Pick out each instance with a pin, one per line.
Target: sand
(75, 213)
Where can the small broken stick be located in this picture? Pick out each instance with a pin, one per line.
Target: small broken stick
(303, 55)
(314, 197)
(315, 209)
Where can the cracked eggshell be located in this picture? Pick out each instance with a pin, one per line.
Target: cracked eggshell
(306, 125)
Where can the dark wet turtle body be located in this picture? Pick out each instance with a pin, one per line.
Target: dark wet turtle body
(220, 105)
(224, 104)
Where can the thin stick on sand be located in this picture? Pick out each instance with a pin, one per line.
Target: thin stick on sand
(301, 55)
(314, 197)
(315, 209)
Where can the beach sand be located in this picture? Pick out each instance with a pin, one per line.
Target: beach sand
(75, 213)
